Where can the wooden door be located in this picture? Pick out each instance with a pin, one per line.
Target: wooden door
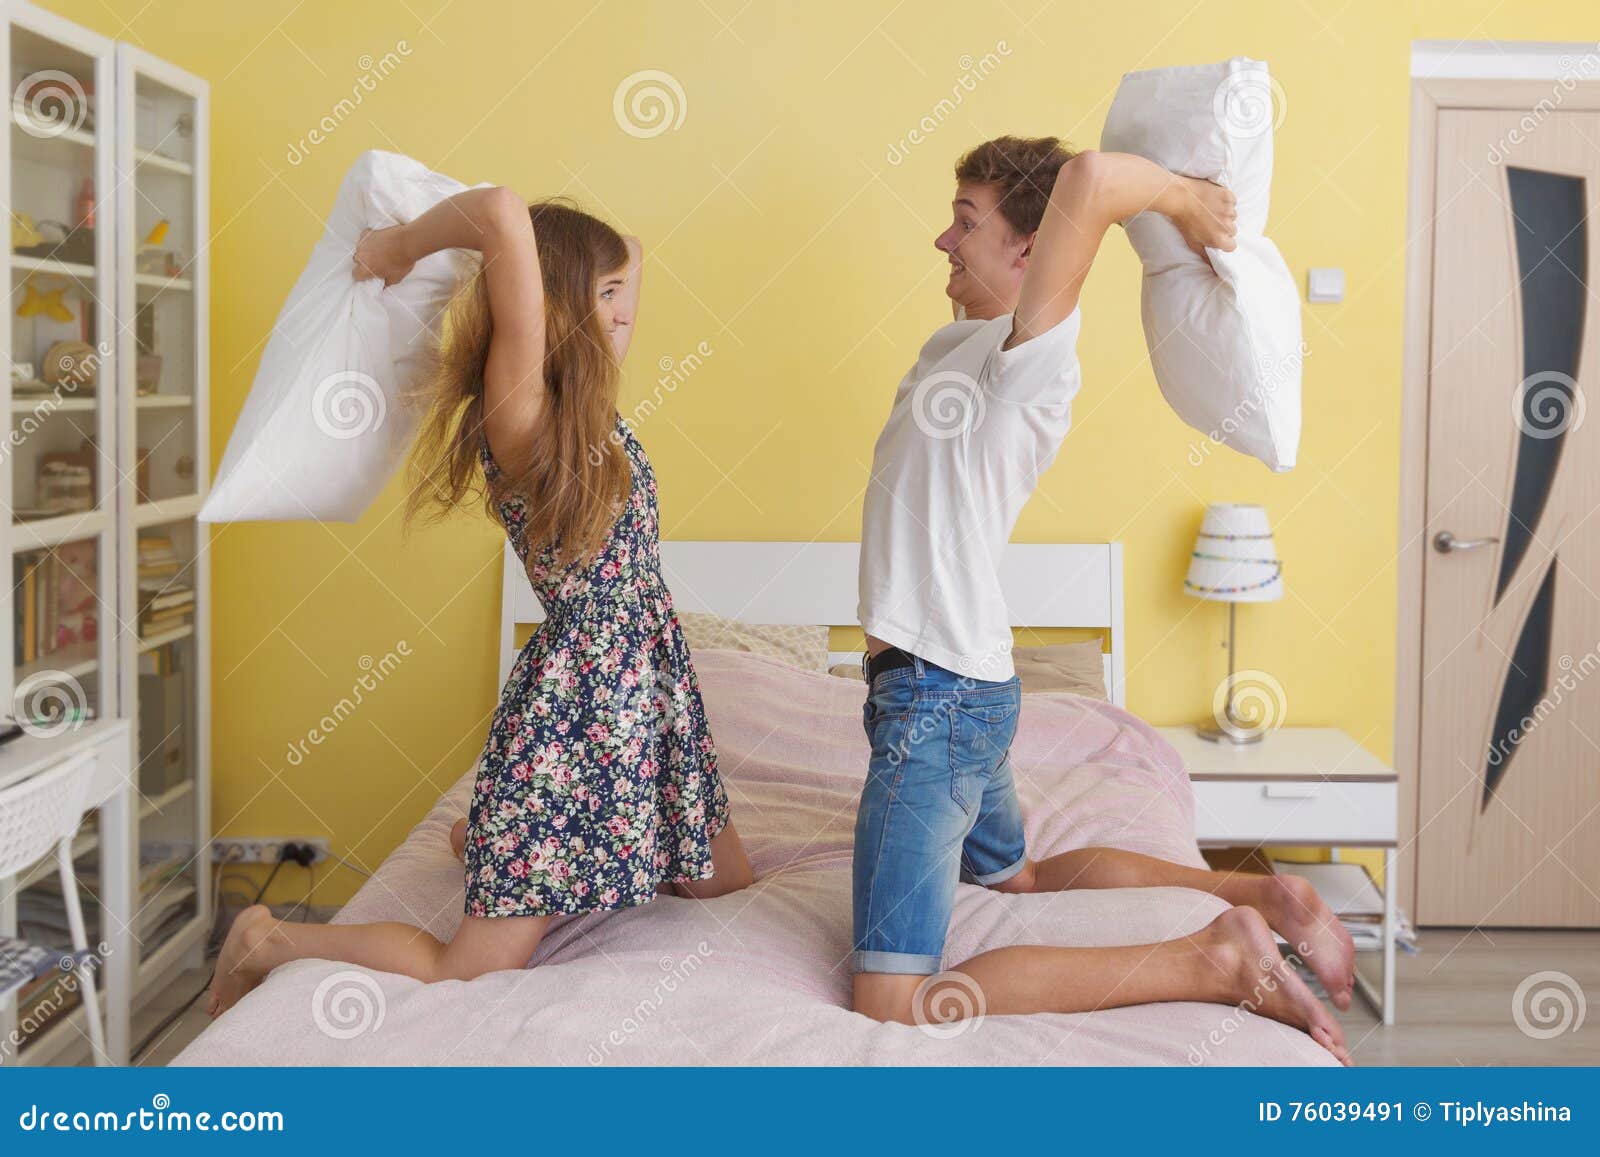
(1509, 787)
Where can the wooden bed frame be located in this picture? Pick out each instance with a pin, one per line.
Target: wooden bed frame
(1046, 585)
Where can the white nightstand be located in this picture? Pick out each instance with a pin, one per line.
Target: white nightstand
(1299, 787)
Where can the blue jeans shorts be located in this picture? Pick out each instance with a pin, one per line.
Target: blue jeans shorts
(939, 807)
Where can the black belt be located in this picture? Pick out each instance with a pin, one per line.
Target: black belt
(888, 659)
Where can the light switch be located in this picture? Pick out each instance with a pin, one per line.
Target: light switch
(1325, 285)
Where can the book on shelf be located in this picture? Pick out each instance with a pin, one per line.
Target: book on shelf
(42, 918)
(30, 599)
(162, 660)
(154, 548)
(42, 1004)
(56, 609)
(151, 628)
(164, 596)
(158, 861)
(164, 605)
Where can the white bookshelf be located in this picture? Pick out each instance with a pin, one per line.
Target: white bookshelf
(136, 129)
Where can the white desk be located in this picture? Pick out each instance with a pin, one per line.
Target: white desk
(111, 790)
(1299, 787)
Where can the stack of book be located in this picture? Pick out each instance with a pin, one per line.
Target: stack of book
(165, 870)
(165, 602)
(56, 606)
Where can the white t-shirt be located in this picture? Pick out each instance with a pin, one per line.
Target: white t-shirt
(972, 428)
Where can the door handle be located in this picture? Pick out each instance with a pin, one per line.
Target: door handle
(1445, 543)
(1276, 791)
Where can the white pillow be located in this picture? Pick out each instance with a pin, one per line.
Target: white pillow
(324, 426)
(1224, 336)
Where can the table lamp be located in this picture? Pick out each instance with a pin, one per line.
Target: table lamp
(1234, 561)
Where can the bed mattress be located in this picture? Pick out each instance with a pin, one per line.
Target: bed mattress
(762, 976)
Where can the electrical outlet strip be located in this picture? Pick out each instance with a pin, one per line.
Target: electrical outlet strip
(263, 849)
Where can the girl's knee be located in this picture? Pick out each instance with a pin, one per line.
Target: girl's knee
(1023, 881)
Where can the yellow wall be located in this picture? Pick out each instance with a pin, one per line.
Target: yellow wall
(780, 234)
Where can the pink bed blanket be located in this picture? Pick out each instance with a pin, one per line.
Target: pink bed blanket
(762, 976)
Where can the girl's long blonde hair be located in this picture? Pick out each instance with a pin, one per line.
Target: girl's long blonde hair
(572, 475)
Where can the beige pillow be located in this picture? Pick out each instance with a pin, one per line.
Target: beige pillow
(1075, 667)
(799, 645)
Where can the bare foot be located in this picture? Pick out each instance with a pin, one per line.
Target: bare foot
(1295, 911)
(237, 969)
(1264, 983)
(458, 840)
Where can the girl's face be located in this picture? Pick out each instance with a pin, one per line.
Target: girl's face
(609, 305)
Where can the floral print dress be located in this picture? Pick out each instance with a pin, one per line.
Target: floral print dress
(599, 780)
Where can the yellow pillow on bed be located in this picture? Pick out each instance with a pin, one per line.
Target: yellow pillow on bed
(799, 645)
(1075, 667)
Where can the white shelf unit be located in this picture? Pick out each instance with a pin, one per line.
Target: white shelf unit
(136, 129)
(163, 164)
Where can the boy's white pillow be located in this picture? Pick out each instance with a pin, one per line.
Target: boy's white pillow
(1224, 336)
(325, 426)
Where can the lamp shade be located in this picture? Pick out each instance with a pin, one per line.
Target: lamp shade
(1235, 559)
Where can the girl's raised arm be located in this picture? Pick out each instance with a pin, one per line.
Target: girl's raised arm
(496, 223)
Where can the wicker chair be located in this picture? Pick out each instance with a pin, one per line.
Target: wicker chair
(41, 811)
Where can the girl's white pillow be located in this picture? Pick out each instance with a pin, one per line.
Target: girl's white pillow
(325, 425)
(1224, 336)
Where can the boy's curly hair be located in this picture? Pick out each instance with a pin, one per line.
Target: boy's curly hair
(1025, 170)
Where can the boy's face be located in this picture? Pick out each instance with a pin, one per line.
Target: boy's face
(987, 257)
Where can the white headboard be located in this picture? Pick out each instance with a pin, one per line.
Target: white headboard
(1046, 585)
